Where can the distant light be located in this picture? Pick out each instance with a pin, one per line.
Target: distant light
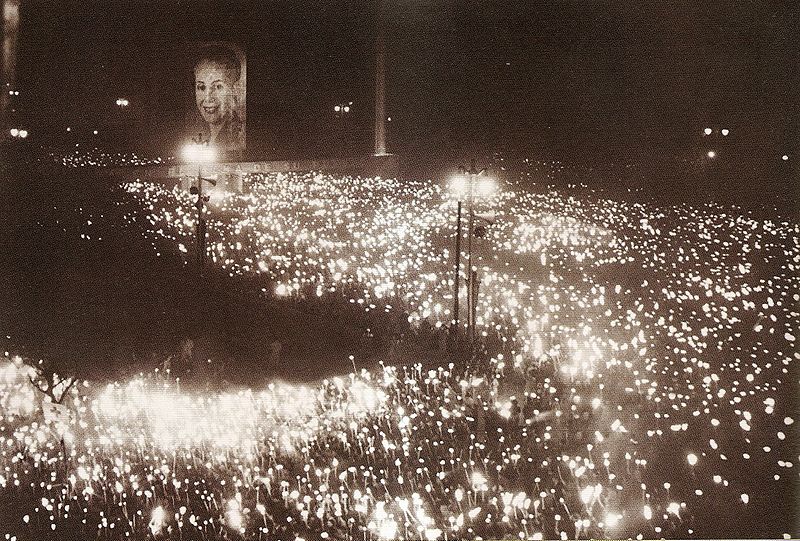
(708, 131)
(725, 131)
(69, 129)
(337, 108)
(674, 508)
(388, 119)
(691, 458)
(785, 157)
(346, 108)
(612, 519)
(94, 132)
(16, 132)
(122, 102)
(711, 154)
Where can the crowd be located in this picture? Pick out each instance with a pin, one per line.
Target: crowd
(640, 363)
(395, 453)
(96, 157)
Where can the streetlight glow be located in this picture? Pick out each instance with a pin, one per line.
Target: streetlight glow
(711, 154)
(14, 132)
(458, 185)
(708, 131)
(486, 186)
(725, 131)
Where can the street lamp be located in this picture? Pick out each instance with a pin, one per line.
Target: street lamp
(200, 152)
(468, 184)
(342, 109)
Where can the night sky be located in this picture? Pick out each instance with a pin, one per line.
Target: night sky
(585, 79)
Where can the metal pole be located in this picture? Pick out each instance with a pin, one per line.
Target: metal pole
(470, 299)
(201, 221)
(457, 271)
(474, 283)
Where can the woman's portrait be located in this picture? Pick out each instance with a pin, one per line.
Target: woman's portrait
(219, 90)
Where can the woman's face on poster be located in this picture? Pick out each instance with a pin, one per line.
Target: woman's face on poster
(213, 90)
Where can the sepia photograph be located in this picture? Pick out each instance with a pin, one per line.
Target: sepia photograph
(435, 270)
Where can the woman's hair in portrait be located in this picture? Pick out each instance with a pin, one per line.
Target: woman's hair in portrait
(223, 56)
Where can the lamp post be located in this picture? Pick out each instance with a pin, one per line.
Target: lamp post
(456, 278)
(467, 183)
(200, 152)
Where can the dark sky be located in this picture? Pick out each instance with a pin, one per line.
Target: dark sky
(591, 76)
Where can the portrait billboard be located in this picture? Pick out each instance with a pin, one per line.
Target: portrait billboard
(218, 108)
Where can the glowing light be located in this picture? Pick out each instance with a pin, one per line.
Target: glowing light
(459, 185)
(711, 154)
(388, 529)
(674, 508)
(486, 186)
(157, 520)
(707, 131)
(199, 153)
